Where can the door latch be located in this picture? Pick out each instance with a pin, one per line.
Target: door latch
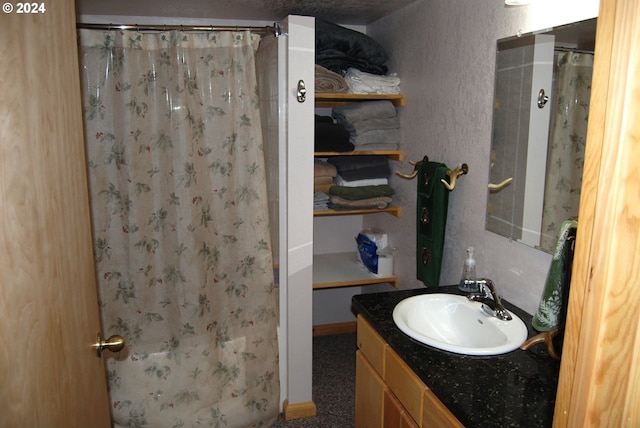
(302, 92)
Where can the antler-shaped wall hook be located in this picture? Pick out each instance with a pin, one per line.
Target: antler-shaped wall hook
(453, 174)
(415, 169)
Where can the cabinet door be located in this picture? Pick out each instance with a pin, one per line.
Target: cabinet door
(396, 416)
(370, 390)
(435, 414)
(404, 383)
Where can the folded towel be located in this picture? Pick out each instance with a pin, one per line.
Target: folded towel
(324, 179)
(367, 173)
(330, 137)
(336, 202)
(361, 126)
(360, 82)
(324, 168)
(347, 163)
(320, 197)
(378, 146)
(361, 167)
(363, 192)
(328, 81)
(325, 188)
(354, 112)
(320, 200)
(340, 181)
(377, 136)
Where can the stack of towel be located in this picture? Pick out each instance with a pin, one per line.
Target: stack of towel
(330, 136)
(372, 125)
(361, 182)
(342, 52)
(361, 82)
(323, 175)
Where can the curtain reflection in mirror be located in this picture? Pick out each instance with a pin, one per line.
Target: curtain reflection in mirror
(567, 137)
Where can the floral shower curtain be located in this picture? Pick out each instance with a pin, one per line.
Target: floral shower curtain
(567, 137)
(180, 225)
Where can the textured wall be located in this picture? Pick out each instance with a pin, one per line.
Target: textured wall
(444, 52)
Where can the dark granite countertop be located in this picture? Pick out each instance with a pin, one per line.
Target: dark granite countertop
(516, 389)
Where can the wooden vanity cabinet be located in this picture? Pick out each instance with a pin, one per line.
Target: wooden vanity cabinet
(388, 393)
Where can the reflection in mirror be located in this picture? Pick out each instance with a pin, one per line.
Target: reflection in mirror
(541, 106)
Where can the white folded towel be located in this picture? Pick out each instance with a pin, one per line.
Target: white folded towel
(364, 182)
(360, 82)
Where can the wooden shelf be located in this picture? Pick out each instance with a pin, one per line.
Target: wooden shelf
(393, 210)
(391, 154)
(343, 270)
(331, 100)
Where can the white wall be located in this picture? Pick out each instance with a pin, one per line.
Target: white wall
(444, 52)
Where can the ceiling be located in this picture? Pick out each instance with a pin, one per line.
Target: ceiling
(356, 12)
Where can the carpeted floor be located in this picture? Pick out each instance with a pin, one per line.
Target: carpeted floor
(334, 375)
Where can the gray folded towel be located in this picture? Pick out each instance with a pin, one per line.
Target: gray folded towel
(378, 146)
(361, 126)
(354, 112)
(388, 136)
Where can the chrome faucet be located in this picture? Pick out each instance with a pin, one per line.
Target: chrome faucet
(488, 296)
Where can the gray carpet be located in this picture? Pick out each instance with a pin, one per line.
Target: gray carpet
(334, 375)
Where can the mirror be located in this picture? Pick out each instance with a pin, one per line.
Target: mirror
(541, 106)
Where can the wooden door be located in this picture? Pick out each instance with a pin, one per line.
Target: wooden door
(50, 376)
(599, 375)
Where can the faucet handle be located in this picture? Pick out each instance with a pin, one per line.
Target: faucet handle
(489, 297)
(485, 287)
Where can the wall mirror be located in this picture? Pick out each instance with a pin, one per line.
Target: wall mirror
(541, 106)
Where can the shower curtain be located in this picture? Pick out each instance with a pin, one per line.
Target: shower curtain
(567, 137)
(180, 224)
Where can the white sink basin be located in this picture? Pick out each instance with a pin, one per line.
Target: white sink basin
(455, 324)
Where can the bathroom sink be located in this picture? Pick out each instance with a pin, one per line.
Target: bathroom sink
(454, 323)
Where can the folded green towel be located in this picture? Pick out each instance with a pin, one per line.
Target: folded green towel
(553, 302)
(362, 192)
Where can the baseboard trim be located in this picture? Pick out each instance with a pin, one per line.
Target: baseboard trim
(337, 328)
(298, 410)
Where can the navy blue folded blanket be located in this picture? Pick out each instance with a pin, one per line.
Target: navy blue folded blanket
(353, 168)
(339, 48)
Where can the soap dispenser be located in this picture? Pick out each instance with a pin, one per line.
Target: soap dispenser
(468, 281)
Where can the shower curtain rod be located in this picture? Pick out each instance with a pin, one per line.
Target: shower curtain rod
(275, 28)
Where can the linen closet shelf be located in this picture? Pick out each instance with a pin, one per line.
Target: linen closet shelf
(343, 269)
(332, 100)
